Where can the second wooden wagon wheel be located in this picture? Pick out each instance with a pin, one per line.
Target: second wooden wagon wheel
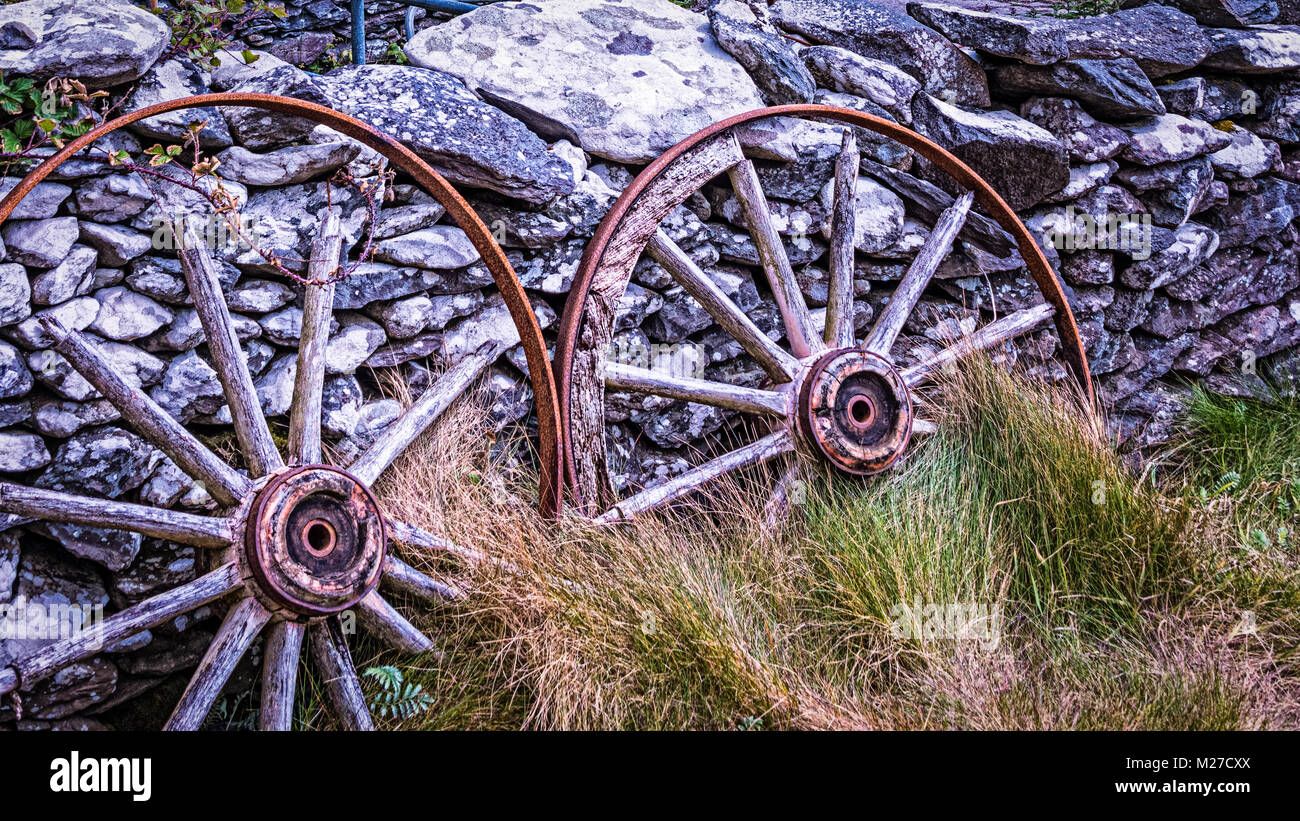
(845, 399)
(297, 541)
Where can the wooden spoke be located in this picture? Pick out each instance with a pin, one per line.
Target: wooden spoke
(383, 621)
(280, 675)
(54, 506)
(413, 536)
(994, 333)
(120, 626)
(317, 310)
(783, 496)
(839, 298)
(924, 427)
(402, 578)
(227, 356)
(804, 340)
(223, 482)
(329, 652)
(705, 392)
(778, 364)
(909, 290)
(370, 465)
(242, 624)
(761, 451)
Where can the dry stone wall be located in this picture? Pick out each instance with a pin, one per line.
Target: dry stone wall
(1153, 151)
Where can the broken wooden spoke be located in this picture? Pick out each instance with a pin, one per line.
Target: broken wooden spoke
(398, 436)
(55, 506)
(803, 337)
(223, 482)
(280, 675)
(402, 578)
(317, 311)
(918, 276)
(123, 625)
(382, 620)
(242, 624)
(839, 295)
(778, 364)
(993, 334)
(329, 652)
(702, 391)
(757, 453)
(227, 356)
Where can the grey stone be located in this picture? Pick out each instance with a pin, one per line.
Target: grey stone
(72, 277)
(375, 281)
(341, 400)
(15, 294)
(1185, 96)
(1248, 217)
(357, 338)
(174, 79)
(116, 245)
(258, 129)
(1192, 245)
(21, 451)
(841, 70)
(1245, 157)
(189, 388)
(1169, 138)
(1087, 139)
(1108, 88)
(75, 313)
(770, 59)
(42, 202)
(403, 219)
(101, 44)
(40, 243)
(61, 418)
(161, 278)
(285, 166)
(878, 215)
(112, 198)
(105, 461)
(1254, 50)
(998, 145)
(285, 221)
(439, 247)
(132, 364)
(125, 315)
(1036, 40)
(1162, 40)
(884, 34)
(259, 296)
(624, 81)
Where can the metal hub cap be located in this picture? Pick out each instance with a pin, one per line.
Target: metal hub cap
(315, 540)
(855, 410)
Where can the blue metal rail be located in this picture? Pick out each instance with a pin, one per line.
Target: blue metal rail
(359, 19)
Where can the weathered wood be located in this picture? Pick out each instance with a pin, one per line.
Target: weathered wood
(778, 364)
(382, 620)
(120, 626)
(55, 506)
(370, 465)
(761, 451)
(223, 482)
(413, 536)
(839, 294)
(804, 340)
(903, 301)
(402, 578)
(622, 377)
(280, 675)
(227, 356)
(8, 680)
(671, 188)
(929, 201)
(242, 624)
(994, 333)
(329, 652)
(923, 427)
(317, 309)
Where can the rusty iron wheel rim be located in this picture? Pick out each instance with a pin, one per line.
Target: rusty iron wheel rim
(572, 321)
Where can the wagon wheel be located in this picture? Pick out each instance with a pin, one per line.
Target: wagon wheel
(296, 542)
(845, 399)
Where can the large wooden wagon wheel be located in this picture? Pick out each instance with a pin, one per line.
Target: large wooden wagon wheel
(297, 542)
(846, 400)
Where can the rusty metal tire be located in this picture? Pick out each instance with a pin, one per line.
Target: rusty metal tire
(572, 327)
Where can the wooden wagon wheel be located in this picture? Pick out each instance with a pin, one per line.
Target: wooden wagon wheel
(843, 399)
(297, 542)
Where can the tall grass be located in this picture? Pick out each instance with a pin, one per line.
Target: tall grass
(1120, 602)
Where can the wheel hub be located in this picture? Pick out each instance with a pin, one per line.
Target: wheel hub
(315, 540)
(855, 411)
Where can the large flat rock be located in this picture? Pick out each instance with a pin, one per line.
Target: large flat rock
(625, 80)
(102, 43)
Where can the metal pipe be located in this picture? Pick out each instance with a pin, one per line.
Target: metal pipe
(358, 32)
(359, 20)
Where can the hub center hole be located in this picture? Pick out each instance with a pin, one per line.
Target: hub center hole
(319, 537)
(861, 411)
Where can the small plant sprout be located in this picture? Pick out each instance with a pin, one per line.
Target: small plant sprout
(395, 697)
